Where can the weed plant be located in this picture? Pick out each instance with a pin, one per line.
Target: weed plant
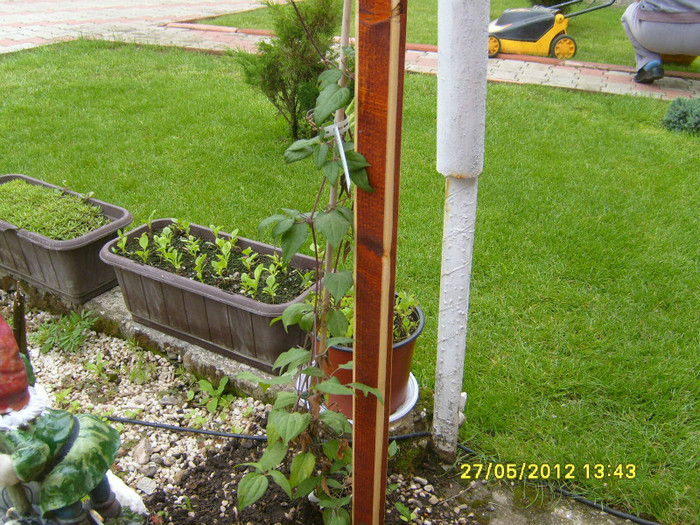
(584, 311)
(66, 333)
(54, 214)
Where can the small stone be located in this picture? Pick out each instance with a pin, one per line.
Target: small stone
(422, 481)
(428, 488)
(147, 485)
(149, 470)
(462, 521)
(142, 452)
(433, 500)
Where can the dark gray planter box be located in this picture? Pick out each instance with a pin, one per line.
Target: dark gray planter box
(229, 324)
(70, 269)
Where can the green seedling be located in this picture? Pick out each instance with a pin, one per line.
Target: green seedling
(213, 398)
(121, 242)
(192, 245)
(143, 253)
(182, 226)
(174, 258)
(249, 258)
(199, 266)
(97, 367)
(66, 333)
(405, 513)
(271, 286)
(250, 284)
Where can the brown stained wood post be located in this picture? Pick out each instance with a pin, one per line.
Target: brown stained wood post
(381, 47)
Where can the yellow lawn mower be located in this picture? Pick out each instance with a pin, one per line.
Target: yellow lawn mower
(539, 31)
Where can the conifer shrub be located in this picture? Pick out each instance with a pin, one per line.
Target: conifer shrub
(286, 68)
(683, 115)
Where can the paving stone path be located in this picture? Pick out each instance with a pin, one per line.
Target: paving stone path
(30, 23)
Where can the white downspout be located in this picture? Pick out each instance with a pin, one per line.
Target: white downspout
(461, 120)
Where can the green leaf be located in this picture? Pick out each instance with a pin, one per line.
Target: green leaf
(307, 486)
(301, 468)
(294, 313)
(282, 226)
(292, 358)
(307, 322)
(273, 219)
(250, 489)
(300, 149)
(333, 225)
(355, 160)
(347, 366)
(336, 517)
(332, 97)
(333, 386)
(333, 503)
(393, 449)
(337, 323)
(339, 283)
(288, 425)
(273, 456)
(336, 421)
(293, 239)
(285, 399)
(330, 171)
(283, 482)
(329, 76)
(330, 449)
(321, 155)
(313, 371)
(367, 390)
(347, 212)
(361, 180)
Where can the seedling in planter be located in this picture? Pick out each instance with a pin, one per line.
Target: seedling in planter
(182, 226)
(174, 258)
(249, 259)
(271, 286)
(222, 258)
(163, 241)
(250, 284)
(121, 243)
(192, 245)
(143, 253)
(199, 266)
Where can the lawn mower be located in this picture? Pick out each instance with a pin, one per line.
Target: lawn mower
(539, 31)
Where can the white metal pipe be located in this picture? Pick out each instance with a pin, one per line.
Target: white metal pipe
(461, 118)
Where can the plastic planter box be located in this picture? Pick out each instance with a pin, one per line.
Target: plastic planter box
(229, 324)
(70, 269)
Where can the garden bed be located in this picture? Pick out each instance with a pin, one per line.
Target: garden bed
(174, 470)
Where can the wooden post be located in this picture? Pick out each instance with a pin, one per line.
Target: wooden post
(381, 43)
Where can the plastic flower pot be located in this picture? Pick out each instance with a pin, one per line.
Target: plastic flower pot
(402, 356)
(229, 324)
(70, 269)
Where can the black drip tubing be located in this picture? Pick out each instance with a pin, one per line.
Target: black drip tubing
(580, 499)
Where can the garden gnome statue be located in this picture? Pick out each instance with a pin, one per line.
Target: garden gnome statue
(60, 456)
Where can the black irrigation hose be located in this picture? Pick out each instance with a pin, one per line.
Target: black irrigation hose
(580, 499)
(185, 429)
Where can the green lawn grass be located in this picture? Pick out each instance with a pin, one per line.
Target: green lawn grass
(584, 315)
(598, 35)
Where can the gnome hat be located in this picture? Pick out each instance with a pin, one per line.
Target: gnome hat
(14, 386)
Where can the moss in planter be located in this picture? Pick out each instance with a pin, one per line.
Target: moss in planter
(56, 215)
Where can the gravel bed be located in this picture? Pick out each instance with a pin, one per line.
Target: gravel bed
(166, 466)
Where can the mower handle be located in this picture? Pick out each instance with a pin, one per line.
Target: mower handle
(588, 9)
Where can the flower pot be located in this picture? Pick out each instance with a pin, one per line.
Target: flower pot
(402, 356)
(70, 269)
(229, 324)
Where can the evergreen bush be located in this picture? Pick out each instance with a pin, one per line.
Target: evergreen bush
(683, 115)
(286, 68)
